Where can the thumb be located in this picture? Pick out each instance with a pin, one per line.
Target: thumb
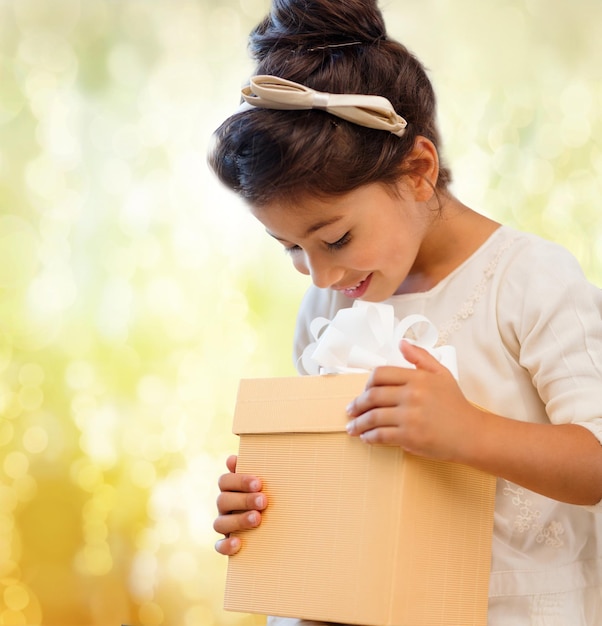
(421, 358)
(231, 463)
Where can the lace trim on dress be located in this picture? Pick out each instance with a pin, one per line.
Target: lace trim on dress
(527, 519)
(467, 309)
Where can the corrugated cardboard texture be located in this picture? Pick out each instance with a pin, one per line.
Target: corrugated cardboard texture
(353, 533)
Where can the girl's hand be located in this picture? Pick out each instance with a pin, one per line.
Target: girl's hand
(422, 410)
(239, 505)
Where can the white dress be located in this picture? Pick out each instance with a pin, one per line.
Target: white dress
(527, 328)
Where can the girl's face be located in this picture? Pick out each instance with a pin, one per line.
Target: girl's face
(364, 244)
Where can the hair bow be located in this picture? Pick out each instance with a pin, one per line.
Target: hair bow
(271, 92)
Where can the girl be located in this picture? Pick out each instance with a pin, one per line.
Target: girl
(337, 153)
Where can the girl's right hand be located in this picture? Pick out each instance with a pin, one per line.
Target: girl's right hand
(239, 505)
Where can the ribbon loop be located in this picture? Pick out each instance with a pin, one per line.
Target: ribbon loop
(272, 92)
(366, 336)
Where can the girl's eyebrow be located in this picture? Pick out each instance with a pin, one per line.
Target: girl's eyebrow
(313, 228)
(275, 236)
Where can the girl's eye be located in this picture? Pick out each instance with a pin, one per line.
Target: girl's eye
(339, 243)
(292, 249)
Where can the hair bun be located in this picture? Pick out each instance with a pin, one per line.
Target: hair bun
(306, 24)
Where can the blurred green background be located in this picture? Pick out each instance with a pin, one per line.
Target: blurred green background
(135, 291)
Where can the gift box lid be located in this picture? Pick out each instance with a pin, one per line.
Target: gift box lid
(323, 400)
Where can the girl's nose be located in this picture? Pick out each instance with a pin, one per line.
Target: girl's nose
(324, 273)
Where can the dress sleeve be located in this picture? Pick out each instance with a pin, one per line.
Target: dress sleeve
(552, 322)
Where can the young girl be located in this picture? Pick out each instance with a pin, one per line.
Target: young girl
(353, 187)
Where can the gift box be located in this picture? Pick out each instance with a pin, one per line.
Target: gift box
(354, 533)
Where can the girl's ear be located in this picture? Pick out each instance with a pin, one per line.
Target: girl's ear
(421, 169)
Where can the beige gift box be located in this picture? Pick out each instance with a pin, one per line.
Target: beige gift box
(354, 533)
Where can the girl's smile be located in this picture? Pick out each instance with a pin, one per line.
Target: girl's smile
(358, 290)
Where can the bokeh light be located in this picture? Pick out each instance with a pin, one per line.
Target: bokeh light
(135, 292)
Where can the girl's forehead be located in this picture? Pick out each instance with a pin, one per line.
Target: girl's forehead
(309, 206)
(302, 208)
(304, 219)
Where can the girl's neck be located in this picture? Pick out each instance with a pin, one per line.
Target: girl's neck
(455, 234)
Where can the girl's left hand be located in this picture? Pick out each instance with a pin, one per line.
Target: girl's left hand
(422, 410)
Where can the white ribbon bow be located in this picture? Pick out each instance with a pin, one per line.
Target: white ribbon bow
(272, 92)
(366, 336)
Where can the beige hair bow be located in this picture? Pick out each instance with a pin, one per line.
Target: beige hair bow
(271, 92)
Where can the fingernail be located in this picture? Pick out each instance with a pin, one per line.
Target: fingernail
(253, 518)
(235, 543)
(349, 408)
(254, 485)
(349, 427)
(259, 502)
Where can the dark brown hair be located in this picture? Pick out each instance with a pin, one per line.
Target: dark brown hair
(266, 155)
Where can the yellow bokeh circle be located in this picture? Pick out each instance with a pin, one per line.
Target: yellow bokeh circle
(18, 604)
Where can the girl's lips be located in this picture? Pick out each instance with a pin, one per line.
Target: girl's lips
(359, 290)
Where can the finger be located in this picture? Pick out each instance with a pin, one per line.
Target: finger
(389, 375)
(229, 501)
(377, 395)
(226, 524)
(231, 463)
(419, 357)
(239, 482)
(228, 546)
(384, 436)
(375, 418)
